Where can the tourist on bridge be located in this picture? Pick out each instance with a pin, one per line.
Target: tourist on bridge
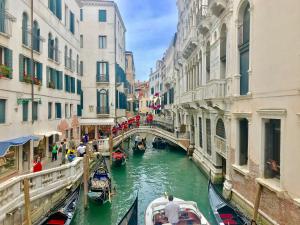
(172, 211)
(85, 138)
(176, 132)
(71, 154)
(37, 165)
(54, 152)
(81, 150)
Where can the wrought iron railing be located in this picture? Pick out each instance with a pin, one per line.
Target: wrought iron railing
(37, 40)
(102, 78)
(102, 110)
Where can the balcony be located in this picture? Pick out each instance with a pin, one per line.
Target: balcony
(70, 64)
(217, 7)
(102, 110)
(37, 41)
(202, 20)
(54, 54)
(190, 43)
(102, 78)
(187, 97)
(6, 24)
(215, 89)
(220, 146)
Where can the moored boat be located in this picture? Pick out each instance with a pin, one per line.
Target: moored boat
(131, 217)
(100, 183)
(140, 147)
(63, 214)
(119, 157)
(224, 213)
(159, 143)
(189, 214)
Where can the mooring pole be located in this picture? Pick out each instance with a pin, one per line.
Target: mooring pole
(110, 148)
(122, 145)
(256, 204)
(85, 179)
(27, 202)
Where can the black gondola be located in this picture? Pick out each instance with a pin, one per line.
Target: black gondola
(224, 212)
(64, 212)
(159, 143)
(100, 183)
(140, 147)
(131, 217)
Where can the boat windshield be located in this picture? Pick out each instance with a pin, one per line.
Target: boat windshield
(186, 217)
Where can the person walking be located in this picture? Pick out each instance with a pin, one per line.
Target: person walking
(54, 152)
(176, 132)
(95, 145)
(172, 211)
(81, 150)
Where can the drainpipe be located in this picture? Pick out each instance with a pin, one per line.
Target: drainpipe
(31, 64)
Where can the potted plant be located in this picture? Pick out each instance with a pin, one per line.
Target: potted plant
(5, 71)
(51, 85)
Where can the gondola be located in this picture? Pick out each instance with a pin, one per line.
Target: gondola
(224, 212)
(159, 143)
(119, 157)
(131, 217)
(140, 147)
(64, 212)
(100, 183)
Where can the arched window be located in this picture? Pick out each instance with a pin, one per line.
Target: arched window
(208, 61)
(50, 46)
(70, 58)
(66, 56)
(102, 101)
(244, 37)
(223, 50)
(220, 129)
(56, 47)
(24, 29)
(77, 64)
(36, 36)
(2, 16)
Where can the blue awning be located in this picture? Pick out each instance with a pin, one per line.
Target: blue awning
(5, 145)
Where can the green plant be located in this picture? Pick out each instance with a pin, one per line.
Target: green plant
(5, 71)
(51, 85)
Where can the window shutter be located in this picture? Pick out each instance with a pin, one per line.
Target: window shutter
(66, 83)
(107, 71)
(40, 71)
(8, 57)
(47, 76)
(98, 71)
(21, 68)
(98, 101)
(60, 80)
(29, 72)
(107, 102)
(58, 9)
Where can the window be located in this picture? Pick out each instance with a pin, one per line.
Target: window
(58, 110)
(79, 87)
(3, 16)
(152, 91)
(5, 62)
(49, 110)
(81, 14)
(51, 46)
(55, 7)
(102, 15)
(102, 102)
(272, 148)
(102, 42)
(71, 110)
(36, 37)
(25, 111)
(220, 129)
(79, 110)
(66, 111)
(2, 110)
(67, 83)
(200, 133)
(81, 41)
(243, 142)
(54, 79)
(102, 72)
(72, 23)
(25, 70)
(208, 62)
(73, 88)
(208, 136)
(81, 68)
(25, 29)
(35, 111)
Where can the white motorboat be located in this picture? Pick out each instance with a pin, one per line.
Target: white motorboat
(189, 213)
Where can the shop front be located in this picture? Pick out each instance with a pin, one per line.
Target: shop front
(96, 128)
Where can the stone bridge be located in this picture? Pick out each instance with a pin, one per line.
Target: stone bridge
(181, 142)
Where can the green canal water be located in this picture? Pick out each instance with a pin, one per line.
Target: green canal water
(151, 174)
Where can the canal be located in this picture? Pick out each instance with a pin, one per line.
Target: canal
(152, 174)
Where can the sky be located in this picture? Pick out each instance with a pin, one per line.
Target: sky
(150, 26)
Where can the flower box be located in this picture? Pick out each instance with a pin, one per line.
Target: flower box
(28, 79)
(5, 71)
(51, 85)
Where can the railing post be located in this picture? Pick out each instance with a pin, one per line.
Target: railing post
(110, 148)
(27, 202)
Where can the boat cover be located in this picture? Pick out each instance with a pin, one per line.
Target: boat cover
(5, 145)
(216, 201)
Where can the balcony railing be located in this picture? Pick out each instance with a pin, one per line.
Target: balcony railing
(37, 40)
(202, 13)
(215, 89)
(102, 78)
(6, 23)
(54, 54)
(220, 145)
(102, 110)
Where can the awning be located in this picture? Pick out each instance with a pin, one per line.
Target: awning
(107, 121)
(5, 145)
(49, 133)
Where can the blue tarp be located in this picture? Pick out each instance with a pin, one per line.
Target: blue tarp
(4, 145)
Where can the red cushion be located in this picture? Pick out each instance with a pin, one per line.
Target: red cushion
(226, 216)
(229, 222)
(56, 222)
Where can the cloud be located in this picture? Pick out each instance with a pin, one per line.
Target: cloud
(150, 27)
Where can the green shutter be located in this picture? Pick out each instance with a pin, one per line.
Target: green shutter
(107, 103)
(98, 101)
(60, 83)
(47, 76)
(21, 68)
(66, 81)
(25, 111)
(2, 110)
(29, 72)
(58, 9)
(40, 71)
(102, 15)
(107, 71)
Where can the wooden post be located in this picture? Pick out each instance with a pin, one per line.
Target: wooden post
(85, 179)
(257, 202)
(27, 202)
(122, 145)
(110, 149)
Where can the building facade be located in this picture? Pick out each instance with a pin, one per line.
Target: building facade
(142, 95)
(130, 76)
(230, 98)
(52, 112)
(102, 29)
